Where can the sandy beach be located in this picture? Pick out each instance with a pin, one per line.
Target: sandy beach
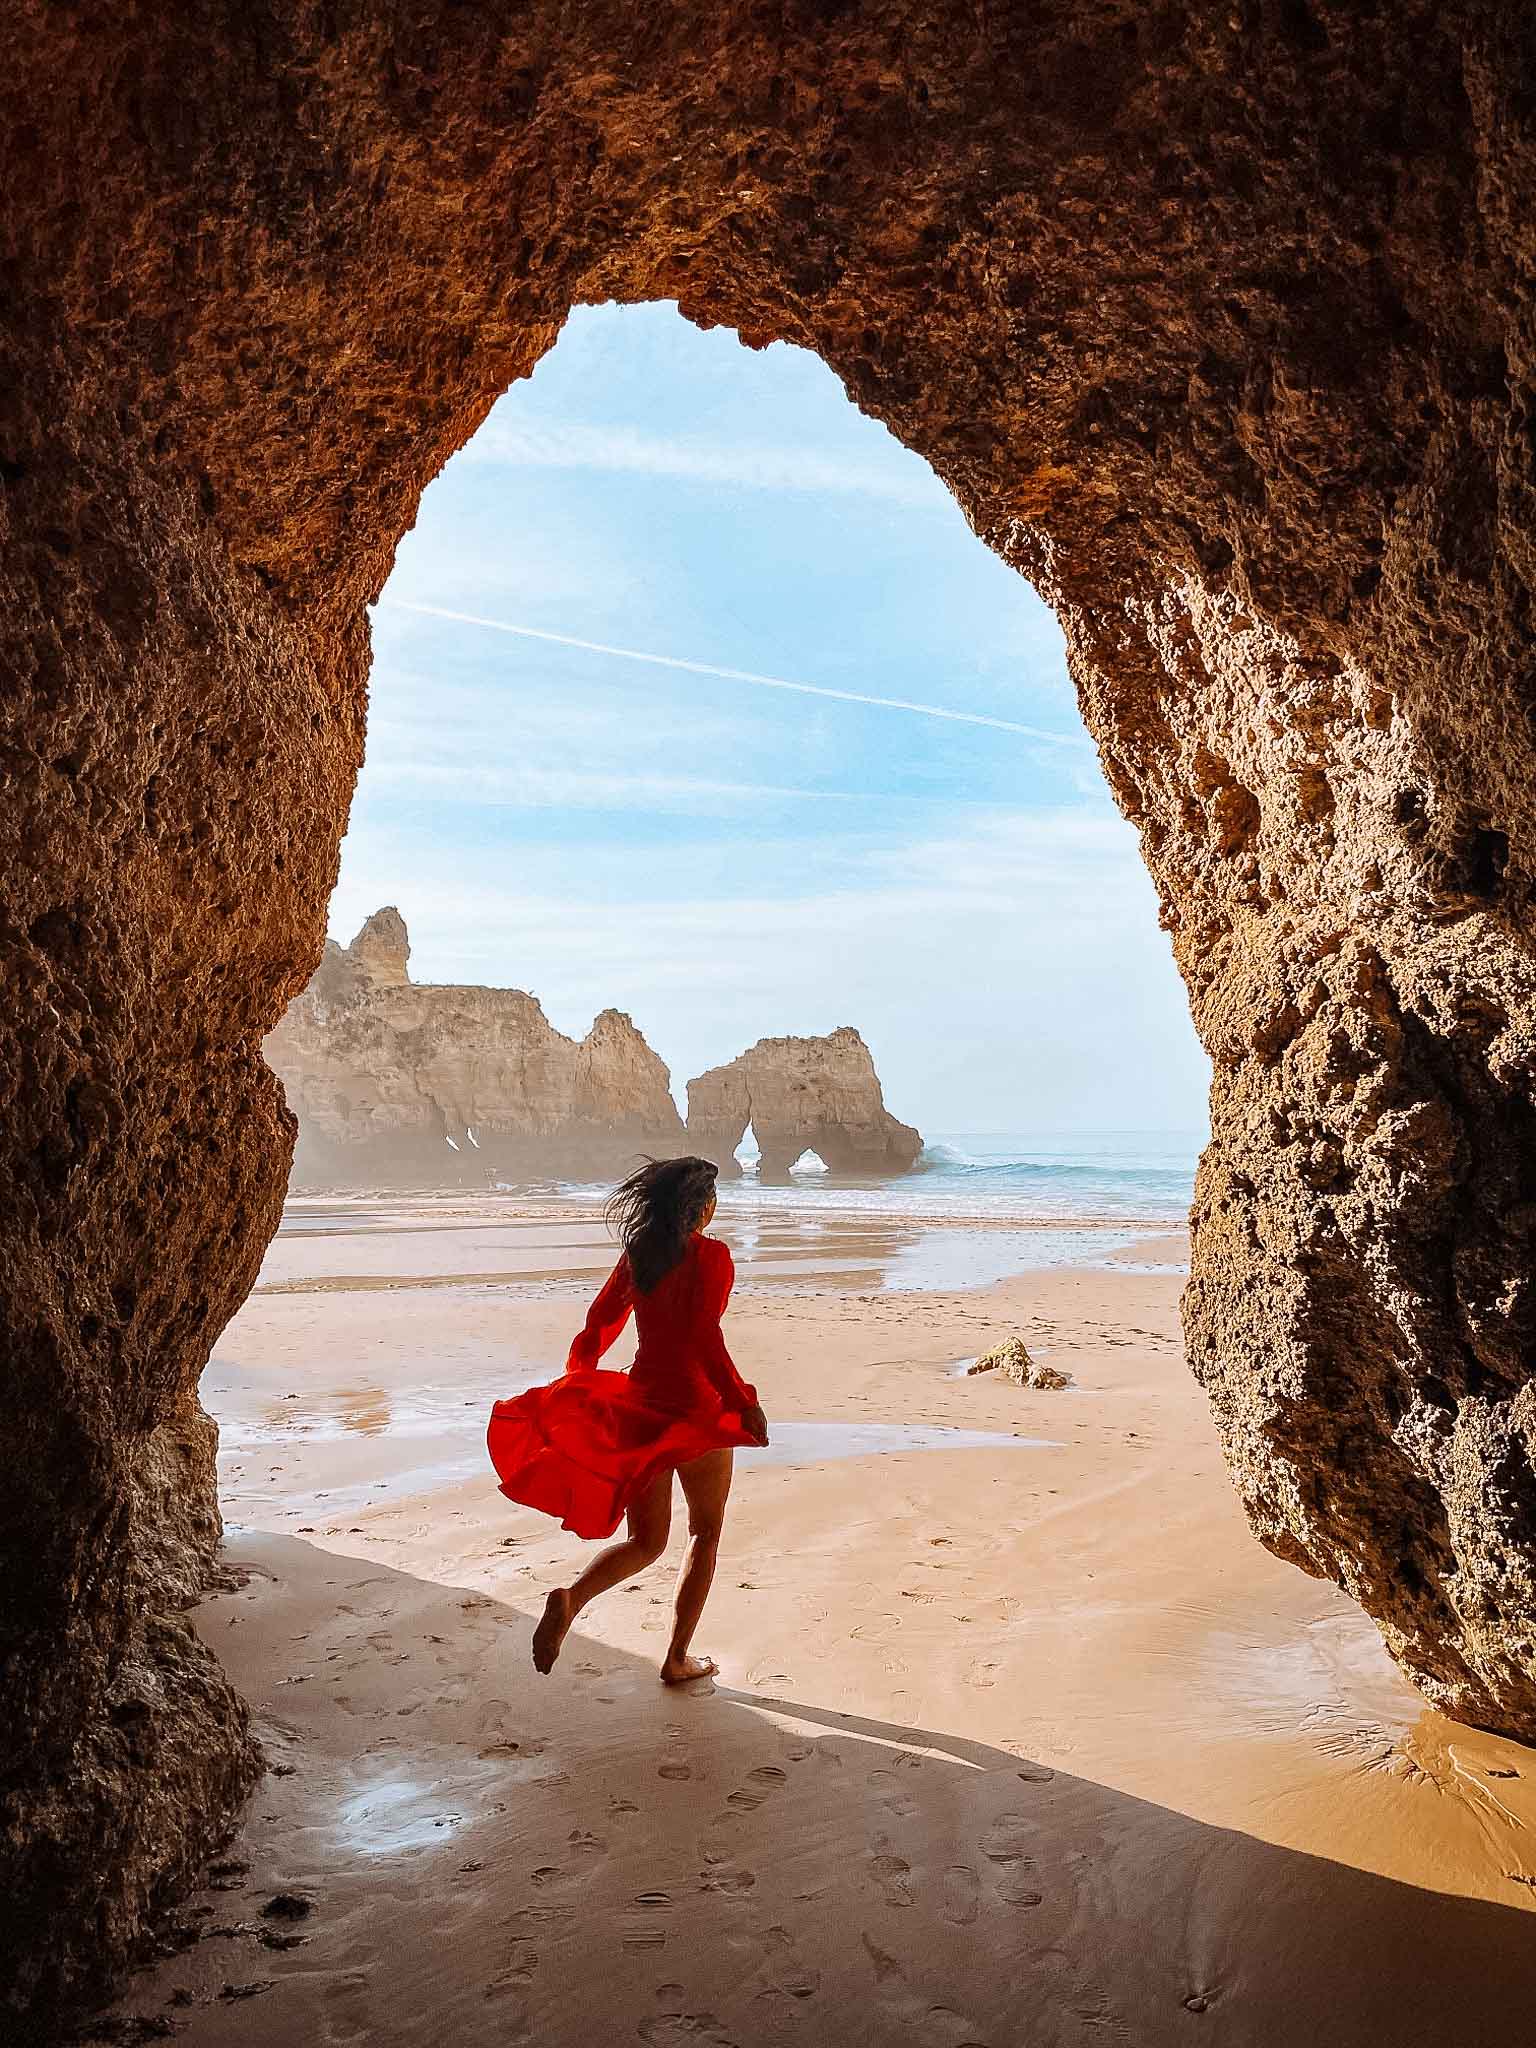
(1018, 1736)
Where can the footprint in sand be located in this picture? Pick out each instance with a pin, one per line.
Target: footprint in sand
(349, 2011)
(518, 1971)
(961, 1895)
(550, 1915)
(673, 2029)
(892, 1793)
(1015, 1888)
(931, 2024)
(893, 1874)
(583, 1849)
(1096, 2011)
(942, 2021)
(886, 1966)
(1009, 1838)
(677, 1766)
(787, 1976)
(761, 1782)
(644, 1925)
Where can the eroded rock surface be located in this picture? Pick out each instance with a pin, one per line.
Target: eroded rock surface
(1011, 1361)
(799, 1095)
(1218, 321)
(397, 1082)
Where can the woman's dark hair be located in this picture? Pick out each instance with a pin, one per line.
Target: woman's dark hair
(656, 1211)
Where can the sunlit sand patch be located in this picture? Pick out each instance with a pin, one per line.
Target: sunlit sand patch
(813, 1443)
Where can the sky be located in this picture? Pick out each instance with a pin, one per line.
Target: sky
(724, 858)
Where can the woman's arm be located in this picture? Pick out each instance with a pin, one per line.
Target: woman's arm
(605, 1319)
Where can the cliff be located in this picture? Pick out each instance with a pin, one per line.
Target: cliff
(801, 1094)
(396, 1080)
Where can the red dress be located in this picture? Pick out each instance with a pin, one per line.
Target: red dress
(585, 1446)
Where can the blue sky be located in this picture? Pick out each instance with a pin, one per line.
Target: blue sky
(726, 860)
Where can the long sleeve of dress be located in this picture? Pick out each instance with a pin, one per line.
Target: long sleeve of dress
(605, 1319)
(717, 1277)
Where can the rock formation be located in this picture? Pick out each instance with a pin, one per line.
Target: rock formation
(1011, 1361)
(1220, 323)
(800, 1094)
(394, 1081)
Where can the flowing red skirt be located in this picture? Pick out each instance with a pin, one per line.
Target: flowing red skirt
(585, 1446)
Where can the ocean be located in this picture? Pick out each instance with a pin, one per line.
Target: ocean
(1028, 1177)
(1024, 1176)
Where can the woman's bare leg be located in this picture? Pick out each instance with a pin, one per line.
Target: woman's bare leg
(706, 1485)
(650, 1518)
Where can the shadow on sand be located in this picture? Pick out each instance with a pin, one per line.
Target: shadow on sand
(496, 1858)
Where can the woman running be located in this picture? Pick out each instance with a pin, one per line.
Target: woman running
(596, 1446)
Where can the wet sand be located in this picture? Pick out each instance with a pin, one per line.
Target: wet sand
(1018, 1736)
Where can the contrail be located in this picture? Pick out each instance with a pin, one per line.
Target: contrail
(735, 675)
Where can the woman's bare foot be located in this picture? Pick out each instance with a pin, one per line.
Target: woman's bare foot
(554, 1624)
(678, 1670)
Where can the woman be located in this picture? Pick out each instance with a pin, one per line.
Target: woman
(595, 1446)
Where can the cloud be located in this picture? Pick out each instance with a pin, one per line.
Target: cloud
(1051, 876)
(1062, 868)
(567, 444)
(528, 787)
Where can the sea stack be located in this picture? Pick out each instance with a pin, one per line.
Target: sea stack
(819, 1095)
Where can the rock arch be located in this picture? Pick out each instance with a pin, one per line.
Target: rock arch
(797, 1095)
(1217, 320)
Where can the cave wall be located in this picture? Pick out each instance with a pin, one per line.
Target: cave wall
(1217, 320)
